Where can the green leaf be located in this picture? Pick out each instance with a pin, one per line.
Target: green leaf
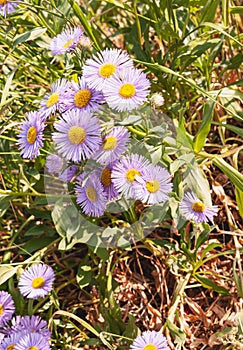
(207, 283)
(200, 137)
(208, 11)
(30, 35)
(235, 176)
(235, 129)
(236, 9)
(178, 335)
(7, 272)
(84, 274)
(239, 200)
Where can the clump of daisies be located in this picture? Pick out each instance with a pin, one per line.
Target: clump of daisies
(26, 332)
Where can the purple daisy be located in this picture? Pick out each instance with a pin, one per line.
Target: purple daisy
(90, 195)
(156, 185)
(31, 135)
(83, 97)
(104, 174)
(150, 340)
(11, 341)
(66, 41)
(77, 136)
(113, 145)
(54, 164)
(193, 209)
(36, 281)
(33, 324)
(127, 92)
(127, 173)
(55, 100)
(7, 307)
(104, 65)
(7, 7)
(33, 341)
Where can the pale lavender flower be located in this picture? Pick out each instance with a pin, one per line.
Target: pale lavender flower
(193, 209)
(31, 135)
(54, 164)
(113, 145)
(33, 324)
(10, 342)
(156, 185)
(83, 97)
(36, 281)
(90, 195)
(7, 7)
(32, 341)
(78, 135)
(68, 174)
(127, 92)
(150, 340)
(54, 101)
(127, 173)
(104, 174)
(7, 307)
(66, 41)
(104, 65)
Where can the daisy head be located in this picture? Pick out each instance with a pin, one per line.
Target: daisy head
(30, 135)
(90, 195)
(32, 341)
(33, 324)
(127, 92)
(156, 185)
(83, 97)
(54, 101)
(77, 135)
(104, 65)
(36, 281)
(67, 41)
(7, 7)
(7, 307)
(128, 173)
(193, 209)
(150, 340)
(104, 174)
(113, 145)
(10, 342)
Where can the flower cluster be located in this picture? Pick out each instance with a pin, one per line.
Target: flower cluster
(26, 332)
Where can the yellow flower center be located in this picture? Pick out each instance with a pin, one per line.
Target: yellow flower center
(127, 90)
(131, 173)
(3, 2)
(52, 99)
(1, 309)
(31, 135)
(38, 282)
(82, 98)
(150, 347)
(109, 143)
(10, 347)
(91, 194)
(33, 348)
(106, 177)
(76, 135)
(153, 186)
(67, 44)
(198, 207)
(106, 70)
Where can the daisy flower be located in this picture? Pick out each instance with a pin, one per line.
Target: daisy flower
(66, 41)
(156, 185)
(7, 7)
(10, 342)
(54, 164)
(127, 173)
(127, 92)
(7, 307)
(36, 281)
(32, 341)
(83, 97)
(104, 65)
(193, 209)
(31, 135)
(90, 195)
(33, 324)
(55, 100)
(113, 145)
(77, 136)
(104, 175)
(150, 340)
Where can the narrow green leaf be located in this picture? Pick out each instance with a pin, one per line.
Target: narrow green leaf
(239, 200)
(200, 137)
(221, 30)
(235, 129)
(207, 283)
(236, 9)
(30, 35)
(235, 176)
(209, 10)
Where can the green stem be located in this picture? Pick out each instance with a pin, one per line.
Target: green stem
(30, 307)
(135, 131)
